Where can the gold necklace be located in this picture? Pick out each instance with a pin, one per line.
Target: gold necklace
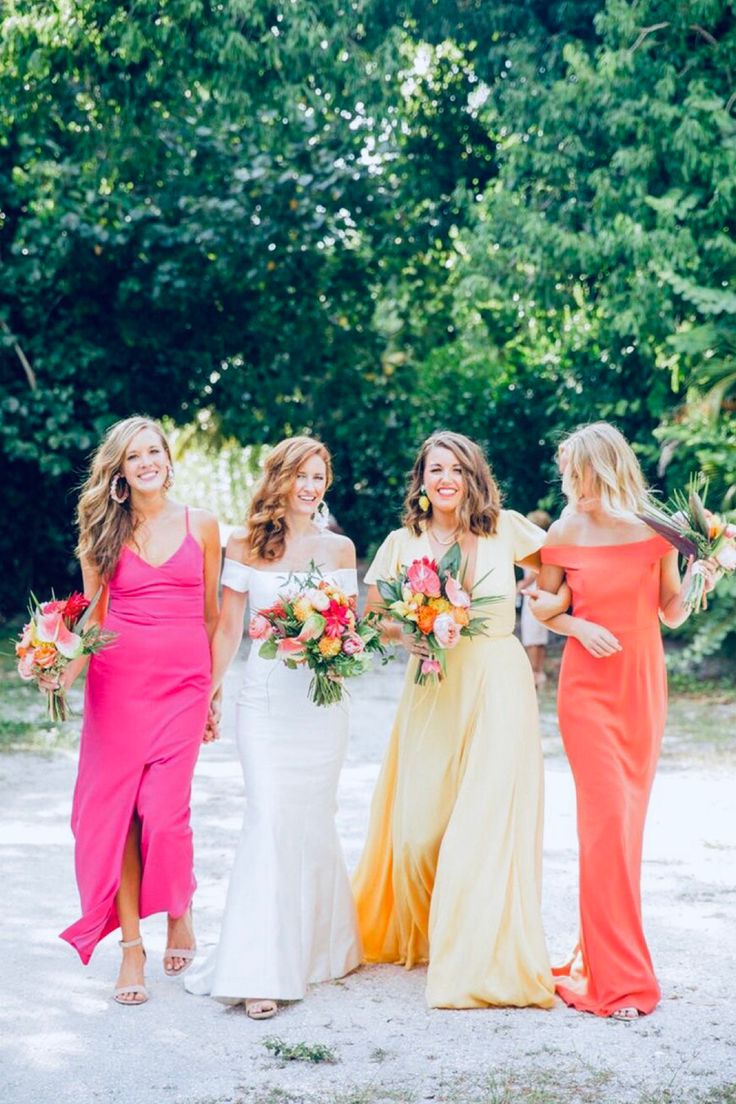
(439, 539)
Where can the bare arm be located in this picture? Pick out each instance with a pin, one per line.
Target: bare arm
(672, 589)
(209, 538)
(228, 634)
(595, 638)
(91, 582)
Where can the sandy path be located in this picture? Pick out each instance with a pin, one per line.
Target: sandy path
(63, 1040)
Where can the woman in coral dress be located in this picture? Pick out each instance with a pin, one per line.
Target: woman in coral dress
(451, 871)
(146, 700)
(289, 918)
(612, 706)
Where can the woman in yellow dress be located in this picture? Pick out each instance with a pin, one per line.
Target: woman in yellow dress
(451, 870)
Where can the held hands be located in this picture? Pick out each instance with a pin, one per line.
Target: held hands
(212, 727)
(595, 639)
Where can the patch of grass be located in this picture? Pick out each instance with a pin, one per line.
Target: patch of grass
(299, 1052)
(721, 688)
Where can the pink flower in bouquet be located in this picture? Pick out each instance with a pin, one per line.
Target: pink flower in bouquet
(259, 627)
(50, 629)
(730, 531)
(726, 558)
(456, 594)
(353, 644)
(25, 667)
(423, 578)
(290, 647)
(446, 630)
(75, 606)
(54, 606)
(431, 667)
(26, 639)
(336, 618)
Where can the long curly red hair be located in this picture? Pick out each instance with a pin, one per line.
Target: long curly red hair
(266, 526)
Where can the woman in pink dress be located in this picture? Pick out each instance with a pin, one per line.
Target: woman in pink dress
(146, 700)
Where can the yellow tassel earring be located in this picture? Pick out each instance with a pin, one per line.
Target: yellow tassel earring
(423, 500)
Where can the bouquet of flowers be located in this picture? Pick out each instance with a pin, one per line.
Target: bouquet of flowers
(54, 635)
(695, 531)
(315, 624)
(429, 601)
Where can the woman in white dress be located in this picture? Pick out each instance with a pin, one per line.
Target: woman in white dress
(289, 918)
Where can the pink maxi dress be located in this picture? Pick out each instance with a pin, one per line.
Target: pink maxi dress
(145, 711)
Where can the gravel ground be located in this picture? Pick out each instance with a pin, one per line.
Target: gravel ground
(64, 1041)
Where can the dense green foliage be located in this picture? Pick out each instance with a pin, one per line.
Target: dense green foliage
(363, 220)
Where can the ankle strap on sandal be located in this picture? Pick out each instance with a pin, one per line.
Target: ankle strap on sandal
(131, 943)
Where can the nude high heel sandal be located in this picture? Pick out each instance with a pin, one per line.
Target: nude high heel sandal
(123, 989)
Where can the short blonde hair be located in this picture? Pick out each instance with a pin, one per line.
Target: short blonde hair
(602, 453)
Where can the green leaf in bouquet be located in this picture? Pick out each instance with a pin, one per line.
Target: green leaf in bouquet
(390, 592)
(269, 649)
(451, 561)
(697, 511)
(90, 609)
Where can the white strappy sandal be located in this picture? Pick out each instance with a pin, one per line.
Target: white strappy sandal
(122, 990)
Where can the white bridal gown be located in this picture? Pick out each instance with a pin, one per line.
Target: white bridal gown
(289, 918)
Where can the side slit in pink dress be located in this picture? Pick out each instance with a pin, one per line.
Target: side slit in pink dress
(145, 711)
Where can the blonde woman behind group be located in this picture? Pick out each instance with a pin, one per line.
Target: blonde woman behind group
(289, 918)
(146, 699)
(451, 871)
(612, 704)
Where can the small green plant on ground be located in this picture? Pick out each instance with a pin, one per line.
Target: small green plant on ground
(299, 1052)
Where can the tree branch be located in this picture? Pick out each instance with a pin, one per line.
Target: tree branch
(30, 374)
(645, 32)
(706, 34)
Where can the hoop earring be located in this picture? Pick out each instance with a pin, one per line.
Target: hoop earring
(321, 516)
(115, 493)
(423, 500)
(169, 480)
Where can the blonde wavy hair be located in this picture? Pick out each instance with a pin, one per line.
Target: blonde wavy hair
(266, 526)
(104, 525)
(601, 453)
(482, 503)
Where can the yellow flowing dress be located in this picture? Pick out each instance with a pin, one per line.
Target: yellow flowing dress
(451, 870)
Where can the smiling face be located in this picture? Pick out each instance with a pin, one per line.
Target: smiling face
(309, 486)
(444, 480)
(145, 463)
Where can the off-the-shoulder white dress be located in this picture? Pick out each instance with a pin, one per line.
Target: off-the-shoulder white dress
(289, 918)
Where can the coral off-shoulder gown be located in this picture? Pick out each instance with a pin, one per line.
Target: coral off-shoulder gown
(612, 714)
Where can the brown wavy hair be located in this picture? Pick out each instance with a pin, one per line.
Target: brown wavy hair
(104, 525)
(266, 526)
(482, 503)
